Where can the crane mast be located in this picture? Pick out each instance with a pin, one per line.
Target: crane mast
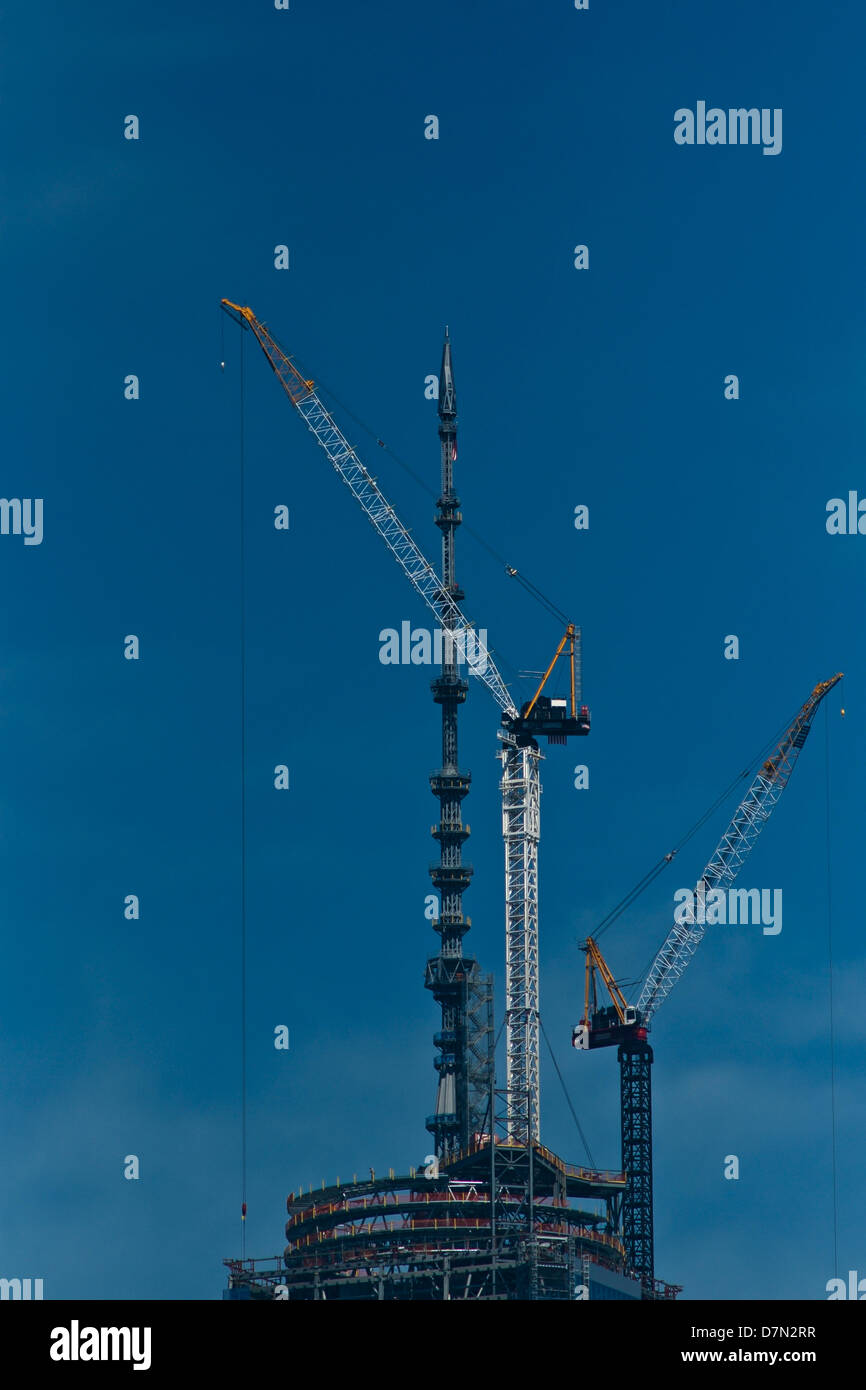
(521, 831)
(626, 1026)
(520, 755)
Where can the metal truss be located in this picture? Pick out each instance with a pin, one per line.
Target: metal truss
(479, 1048)
(364, 488)
(520, 782)
(635, 1061)
(521, 804)
(414, 564)
(731, 853)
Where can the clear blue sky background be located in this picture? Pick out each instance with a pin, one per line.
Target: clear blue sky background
(707, 518)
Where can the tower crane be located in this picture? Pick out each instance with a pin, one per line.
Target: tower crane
(627, 1026)
(520, 755)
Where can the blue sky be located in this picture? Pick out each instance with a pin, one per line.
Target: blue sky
(604, 387)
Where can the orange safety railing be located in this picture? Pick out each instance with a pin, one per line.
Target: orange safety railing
(557, 1228)
(601, 1175)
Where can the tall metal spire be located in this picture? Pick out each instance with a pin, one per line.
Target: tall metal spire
(465, 997)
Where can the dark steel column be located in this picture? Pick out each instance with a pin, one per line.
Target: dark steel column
(635, 1060)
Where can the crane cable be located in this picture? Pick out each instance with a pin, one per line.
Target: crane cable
(243, 807)
(830, 983)
(652, 874)
(583, 1137)
(531, 589)
(642, 884)
(513, 573)
(768, 747)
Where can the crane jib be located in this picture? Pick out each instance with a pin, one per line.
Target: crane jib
(365, 489)
(732, 850)
(520, 755)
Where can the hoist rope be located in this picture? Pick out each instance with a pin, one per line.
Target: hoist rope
(652, 874)
(243, 788)
(583, 1137)
(830, 983)
(531, 589)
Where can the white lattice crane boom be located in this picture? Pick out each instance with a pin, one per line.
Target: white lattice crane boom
(366, 491)
(735, 845)
(520, 784)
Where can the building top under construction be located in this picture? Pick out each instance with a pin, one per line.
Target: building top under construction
(551, 1231)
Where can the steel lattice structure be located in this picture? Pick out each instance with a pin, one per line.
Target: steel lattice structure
(635, 1058)
(414, 564)
(521, 828)
(635, 1054)
(465, 1040)
(366, 491)
(731, 852)
(520, 782)
(627, 1025)
(498, 1221)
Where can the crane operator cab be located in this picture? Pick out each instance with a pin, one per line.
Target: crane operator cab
(546, 715)
(606, 1028)
(556, 716)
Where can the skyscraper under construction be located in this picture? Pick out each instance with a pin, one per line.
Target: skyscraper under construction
(492, 1213)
